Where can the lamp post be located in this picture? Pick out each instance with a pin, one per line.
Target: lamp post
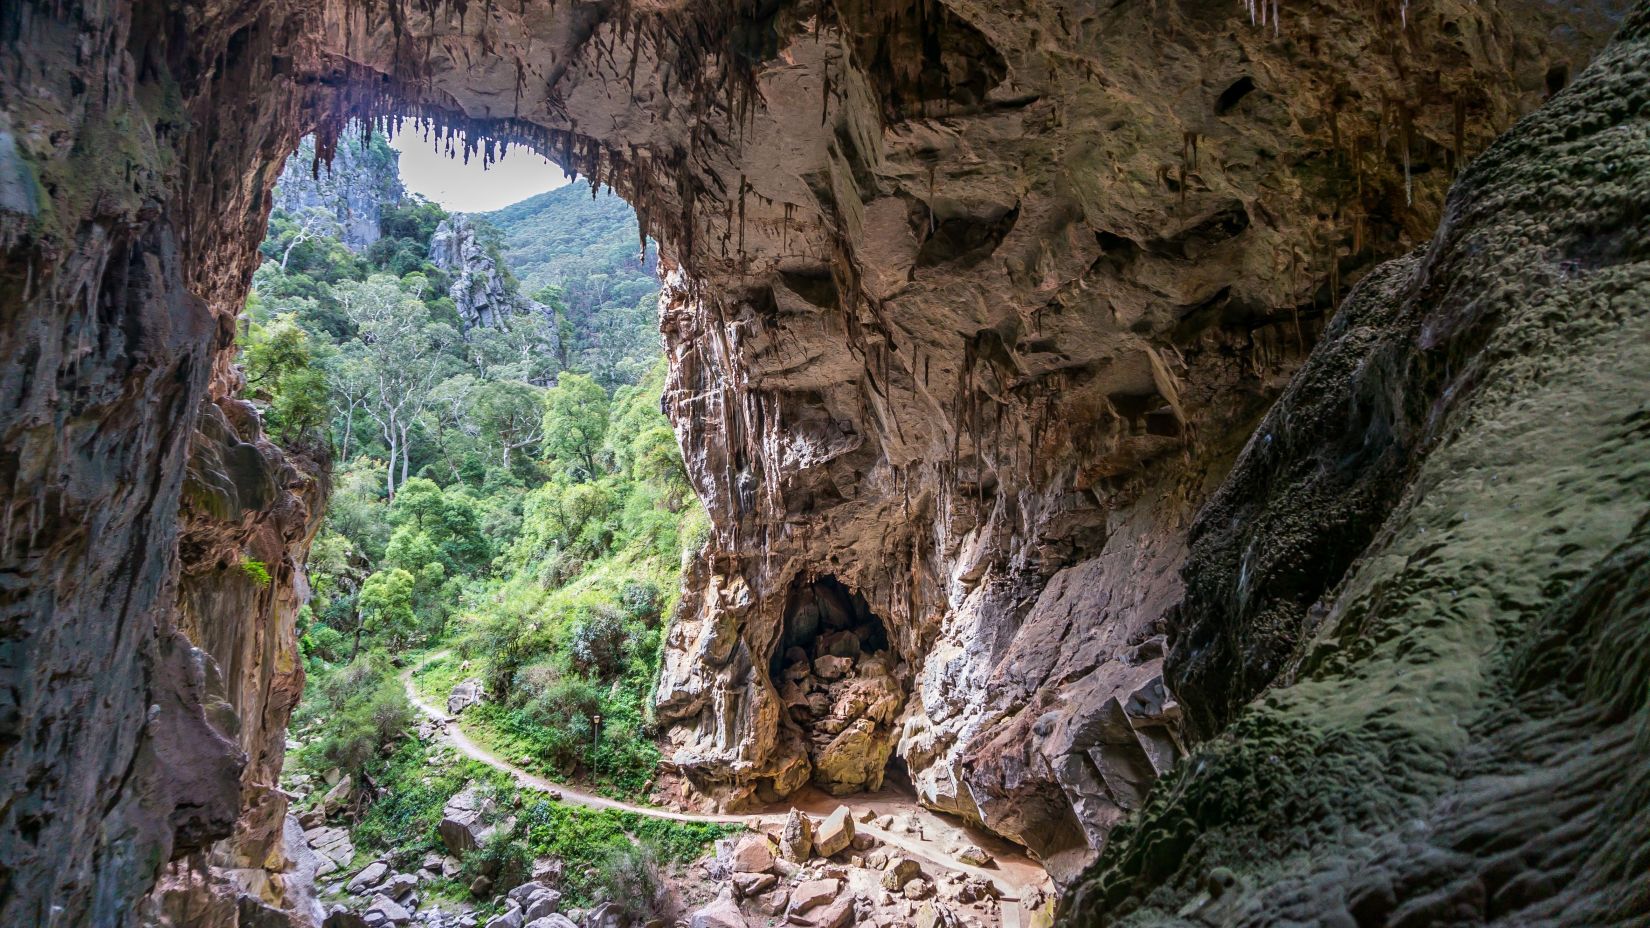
(595, 732)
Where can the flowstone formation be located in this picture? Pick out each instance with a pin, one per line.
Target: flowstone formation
(972, 307)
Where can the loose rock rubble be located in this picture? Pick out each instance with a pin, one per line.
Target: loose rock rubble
(806, 887)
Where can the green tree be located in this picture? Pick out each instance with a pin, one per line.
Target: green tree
(399, 352)
(511, 417)
(278, 360)
(387, 608)
(575, 424)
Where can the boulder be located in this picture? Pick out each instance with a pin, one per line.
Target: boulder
(463, 696)
(399, 886)
(722, 913)
(917, 889)
(541, 905)
(462, 828)
(974, 857)
(839, 914)
(333, 844)
(773, 903)
(753, 854)
(526, 891)
(900, 870)
(747, 885)
(370, 876)
(341, 917)
(855, 759)
(510, 919)
(934, 915)
(481, 887)
(796, 841)
(812, 894)
(390, 910)
(552, 920)
(450, 866)
(338, 797)
(835, 833)
(832, 668)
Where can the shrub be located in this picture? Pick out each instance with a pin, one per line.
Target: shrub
(641, 600)
(362, 711)
(502, 858)
(628, 876)
(600, 642)
(258, 571)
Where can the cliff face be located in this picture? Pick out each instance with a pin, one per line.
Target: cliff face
(347, 194)
(478, 288)
(972, 309)
(136, 183)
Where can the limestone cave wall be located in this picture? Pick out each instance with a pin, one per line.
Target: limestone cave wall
(972, 308)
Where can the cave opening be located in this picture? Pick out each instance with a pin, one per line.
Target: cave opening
(841, 684)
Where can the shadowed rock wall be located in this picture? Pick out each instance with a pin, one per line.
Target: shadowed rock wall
(972, 307)
(1435, 551)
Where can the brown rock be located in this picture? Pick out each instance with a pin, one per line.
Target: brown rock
(900, 870)
(796, 841)
(746, 885)
(752, 854)
(811, 894)
(835, 833)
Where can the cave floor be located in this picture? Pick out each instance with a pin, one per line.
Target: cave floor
(920, 833)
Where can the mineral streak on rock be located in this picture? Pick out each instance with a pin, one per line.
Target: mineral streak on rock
(971, 307)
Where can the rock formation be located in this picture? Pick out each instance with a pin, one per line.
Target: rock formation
(973, 307)
(1435, 552)
(346, 194)
(478, 288)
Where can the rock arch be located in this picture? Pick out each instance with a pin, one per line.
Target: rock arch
(944, 435)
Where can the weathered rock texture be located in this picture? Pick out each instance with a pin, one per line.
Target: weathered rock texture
(479, 291)
(1436, 550)
(343, 197)
(973, 306)
(145, 676)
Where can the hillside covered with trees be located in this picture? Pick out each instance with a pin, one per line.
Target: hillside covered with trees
(583, 255)
(504, 488)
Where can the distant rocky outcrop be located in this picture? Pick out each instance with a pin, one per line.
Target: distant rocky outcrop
(349, 193)
(480, 290)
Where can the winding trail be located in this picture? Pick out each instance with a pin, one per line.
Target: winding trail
(1013, 874)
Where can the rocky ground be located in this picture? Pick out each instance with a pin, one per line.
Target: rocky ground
(877, 861)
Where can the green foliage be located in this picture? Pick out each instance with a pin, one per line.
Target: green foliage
(629, 876)
(358, 712)
(281, 376)
(502, 858)
(511, 490)
(258, 571)
(575, 425)
(591, 843)
(586, 253)
(411, 800)
(386, 605)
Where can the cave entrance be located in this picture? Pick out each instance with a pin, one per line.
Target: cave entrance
(841, 684)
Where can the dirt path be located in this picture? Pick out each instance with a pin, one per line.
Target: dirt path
(1013, 873)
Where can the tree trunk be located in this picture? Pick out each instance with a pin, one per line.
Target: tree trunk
(390, 470)
(349, 426)
(405, 448)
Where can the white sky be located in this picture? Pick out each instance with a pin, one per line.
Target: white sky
(468, 188)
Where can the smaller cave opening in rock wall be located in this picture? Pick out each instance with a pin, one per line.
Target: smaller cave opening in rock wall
(841, 684)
